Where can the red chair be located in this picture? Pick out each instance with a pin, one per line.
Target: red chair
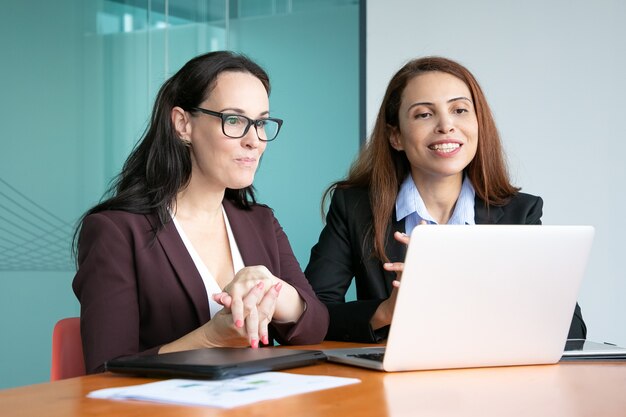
(67, 350)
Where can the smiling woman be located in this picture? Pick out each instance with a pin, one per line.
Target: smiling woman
(434, 157)
(181, 256)
(438, 131)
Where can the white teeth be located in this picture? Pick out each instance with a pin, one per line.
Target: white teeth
(445, 147)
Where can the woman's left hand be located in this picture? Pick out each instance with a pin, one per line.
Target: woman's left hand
(251, 297)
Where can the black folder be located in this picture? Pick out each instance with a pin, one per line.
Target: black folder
(215, 363)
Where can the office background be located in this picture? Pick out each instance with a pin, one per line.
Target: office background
(553, 72)
(79, 78)
(77, 82)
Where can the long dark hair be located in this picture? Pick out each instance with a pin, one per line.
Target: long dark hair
(160, 164)
(381, 168)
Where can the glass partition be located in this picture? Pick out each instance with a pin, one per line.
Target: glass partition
(78, 83)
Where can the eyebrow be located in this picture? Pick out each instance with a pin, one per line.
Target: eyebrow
(240, 111)
(428, 103)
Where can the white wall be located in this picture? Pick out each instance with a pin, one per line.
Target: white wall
(555, 75)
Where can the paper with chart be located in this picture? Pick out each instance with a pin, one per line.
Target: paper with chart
(226, 393)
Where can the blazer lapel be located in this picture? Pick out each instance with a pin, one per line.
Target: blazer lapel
(185, 269)
(484, 215)
(396, 251)
(239, 231)
(250, 246)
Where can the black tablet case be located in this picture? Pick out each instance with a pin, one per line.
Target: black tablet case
(215, 363)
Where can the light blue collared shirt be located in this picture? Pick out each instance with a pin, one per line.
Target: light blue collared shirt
(409, 204)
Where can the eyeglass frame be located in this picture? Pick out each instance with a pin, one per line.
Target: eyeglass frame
(251, 122)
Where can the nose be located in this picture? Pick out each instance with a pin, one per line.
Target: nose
(251, 139)
(445, 124)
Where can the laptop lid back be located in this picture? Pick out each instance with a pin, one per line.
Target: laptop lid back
(486, 295)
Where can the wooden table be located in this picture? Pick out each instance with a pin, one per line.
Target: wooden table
(567, 389)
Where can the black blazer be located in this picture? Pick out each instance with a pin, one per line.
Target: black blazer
(343, 253)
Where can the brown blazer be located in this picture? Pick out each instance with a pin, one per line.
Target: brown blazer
(138, 293)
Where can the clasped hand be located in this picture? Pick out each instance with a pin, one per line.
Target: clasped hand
(249, 302)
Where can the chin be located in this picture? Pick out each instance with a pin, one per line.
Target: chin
(238, 185)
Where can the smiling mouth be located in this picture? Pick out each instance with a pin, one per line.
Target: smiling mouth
(445, 147)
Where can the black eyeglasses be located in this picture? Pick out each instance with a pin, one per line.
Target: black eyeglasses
(236, 125)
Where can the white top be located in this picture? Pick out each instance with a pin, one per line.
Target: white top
(209, 280)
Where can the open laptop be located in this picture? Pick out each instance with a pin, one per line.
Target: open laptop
(215, 363)
(482, 295)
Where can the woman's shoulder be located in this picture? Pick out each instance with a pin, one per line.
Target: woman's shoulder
(351, 195)
(120, 219)
(121, 216)
(518, 201)
(350, 205)
(525, 199)
(521, 208)
(261, 210)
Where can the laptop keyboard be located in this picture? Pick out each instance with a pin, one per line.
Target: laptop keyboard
(378, 357)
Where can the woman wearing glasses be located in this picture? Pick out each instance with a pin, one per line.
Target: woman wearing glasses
(180, 256)
(434, 157)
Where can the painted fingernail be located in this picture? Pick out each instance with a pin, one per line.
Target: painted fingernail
(239, 323)
(254, 343)
(278, 286)
(260, 285)
(266, 340)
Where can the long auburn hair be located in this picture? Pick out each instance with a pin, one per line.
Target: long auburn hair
(160, 164)
(382, 169)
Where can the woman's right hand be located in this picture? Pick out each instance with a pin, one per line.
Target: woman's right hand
(384, 313)
(221, 330)
(244, 320)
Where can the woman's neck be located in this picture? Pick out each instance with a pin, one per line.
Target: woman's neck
(198, 200)
(439, 194)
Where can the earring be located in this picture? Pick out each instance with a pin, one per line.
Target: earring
(186, 142)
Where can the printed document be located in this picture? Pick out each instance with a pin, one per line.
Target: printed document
(225, 393)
